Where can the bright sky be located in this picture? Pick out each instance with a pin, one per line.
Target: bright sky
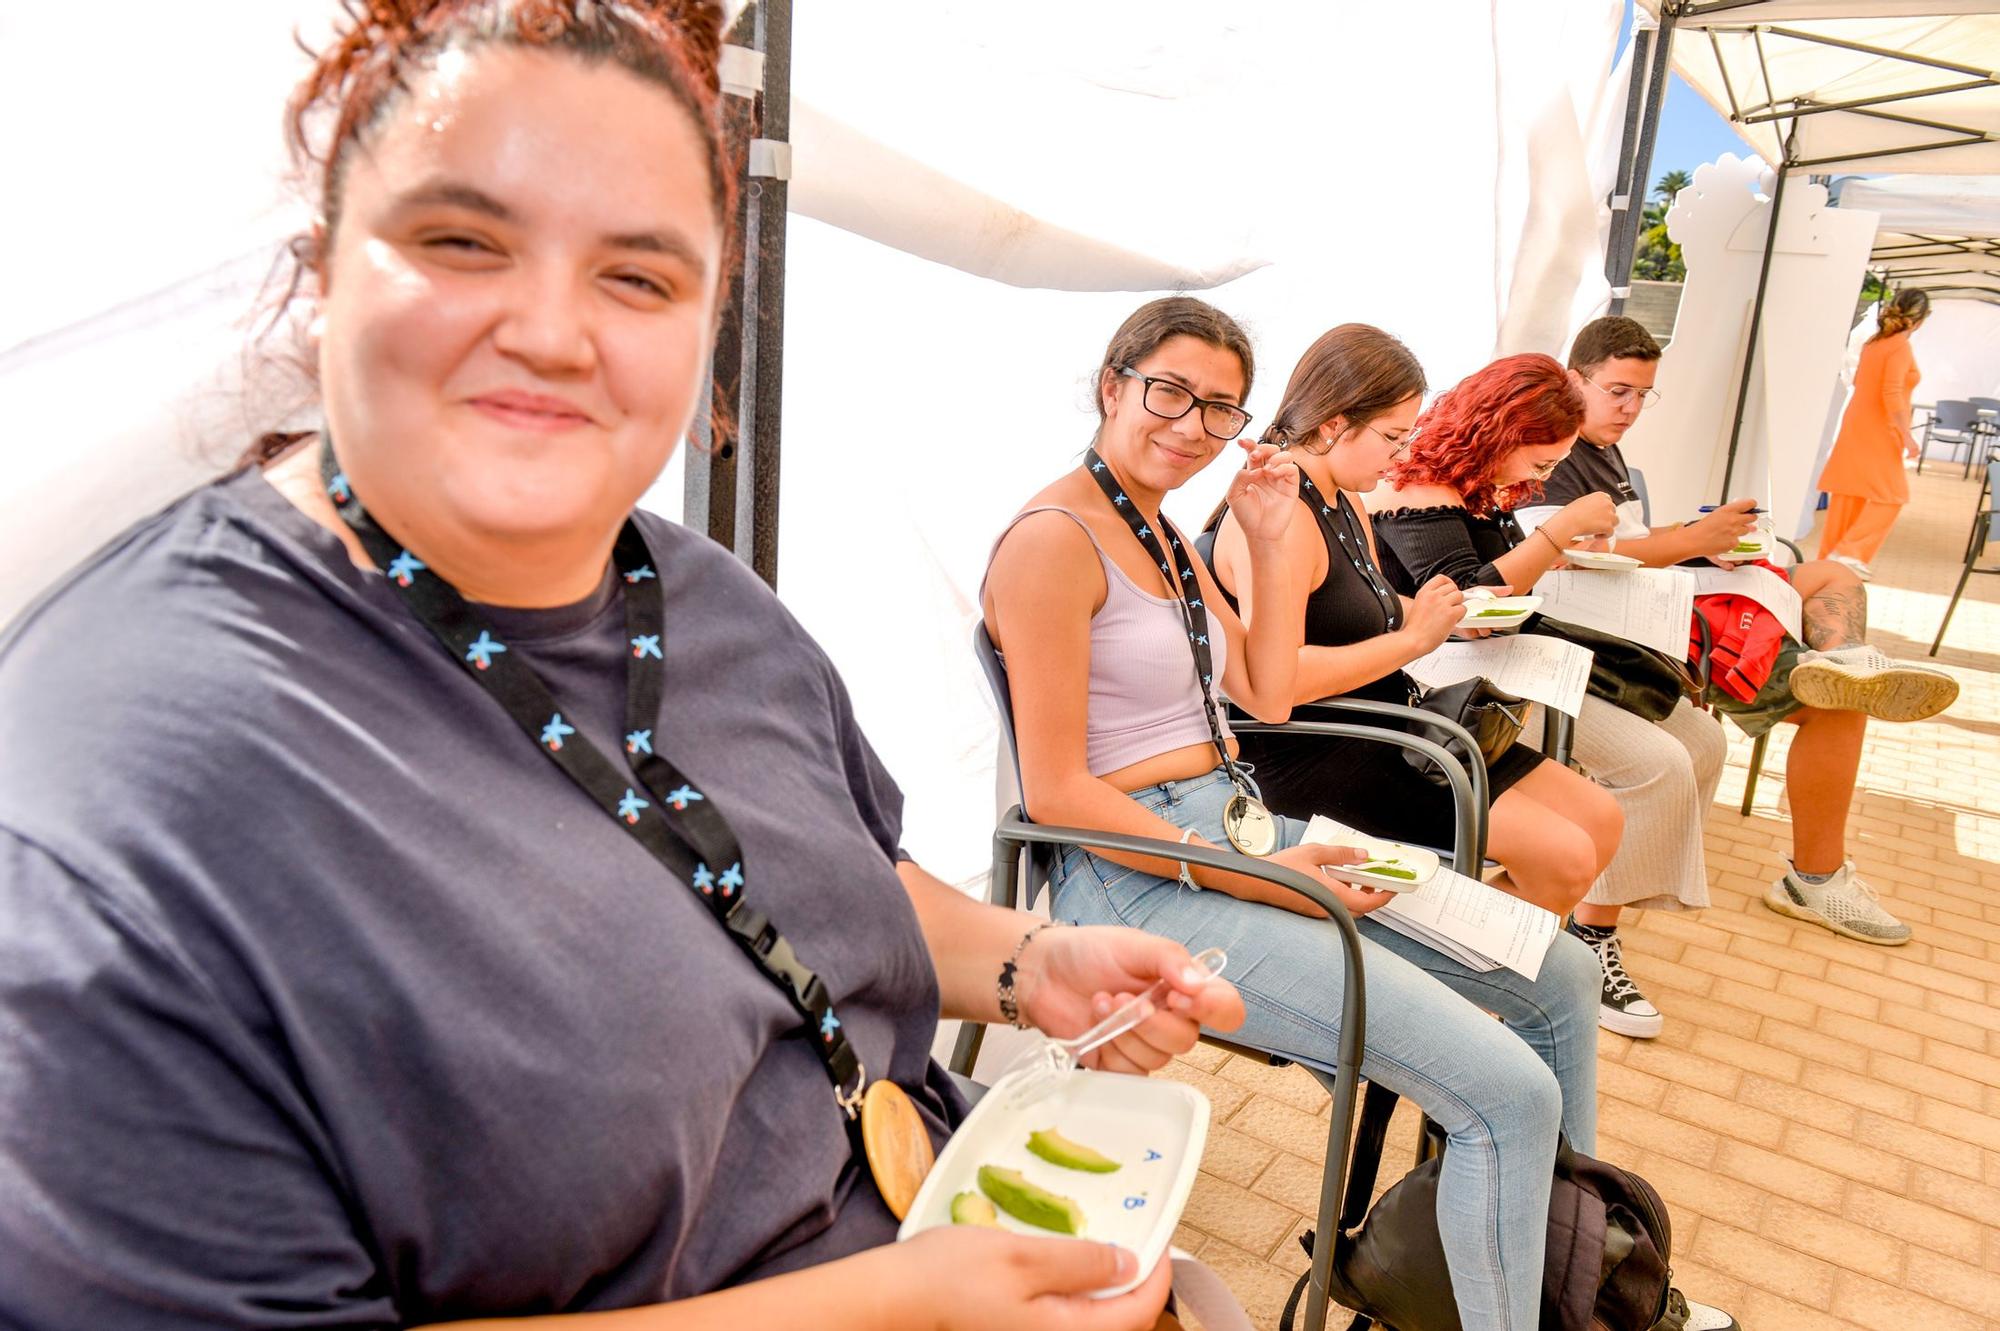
(1691, 132)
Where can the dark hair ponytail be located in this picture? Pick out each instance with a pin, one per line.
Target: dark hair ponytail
(1905, 311)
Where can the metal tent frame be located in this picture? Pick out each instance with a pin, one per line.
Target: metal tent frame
(1722, 20)
(732, 478)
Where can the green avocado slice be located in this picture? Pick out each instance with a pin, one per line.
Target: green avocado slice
(969, 1208)
(1029, 1202)
(1057, 1149)
(1388, 871)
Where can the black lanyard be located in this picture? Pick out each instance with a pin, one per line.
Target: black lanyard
(1180, 572)
(1354, 544)
(648, 796)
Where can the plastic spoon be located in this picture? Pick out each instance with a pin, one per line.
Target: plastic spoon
(1056, 1059)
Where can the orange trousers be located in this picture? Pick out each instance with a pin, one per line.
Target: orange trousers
(1856, 527)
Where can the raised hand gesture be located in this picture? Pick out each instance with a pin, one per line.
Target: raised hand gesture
(1265, 493)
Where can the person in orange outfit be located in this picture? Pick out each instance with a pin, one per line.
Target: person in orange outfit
(1864, 480)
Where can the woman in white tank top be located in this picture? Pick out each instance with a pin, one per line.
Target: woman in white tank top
(1111, 733)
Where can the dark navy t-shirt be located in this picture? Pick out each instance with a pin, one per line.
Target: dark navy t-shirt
(325, 1001)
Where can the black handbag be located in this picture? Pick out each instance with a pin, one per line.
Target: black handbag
(1606, 1265)
(1644, 682)
(1492, 716)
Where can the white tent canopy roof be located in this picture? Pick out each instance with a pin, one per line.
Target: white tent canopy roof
(1939, 233)
(1871, 85)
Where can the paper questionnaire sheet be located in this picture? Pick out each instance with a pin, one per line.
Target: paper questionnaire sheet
(1461, 917)
(1547, 670)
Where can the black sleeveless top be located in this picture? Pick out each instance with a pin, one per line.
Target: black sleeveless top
(1355, 601)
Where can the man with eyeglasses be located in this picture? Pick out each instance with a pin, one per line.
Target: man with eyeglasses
(1828, 686)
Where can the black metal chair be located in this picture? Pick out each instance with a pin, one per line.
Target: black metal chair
(1024, 854)
(1985, 530)
(1955, 424)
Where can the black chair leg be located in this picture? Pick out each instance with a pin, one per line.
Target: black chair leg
(1756, 766)
(1964, 576)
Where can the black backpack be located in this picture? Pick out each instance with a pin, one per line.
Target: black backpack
(1606, 1268)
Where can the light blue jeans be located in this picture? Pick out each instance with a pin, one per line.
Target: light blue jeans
(1499, 1091)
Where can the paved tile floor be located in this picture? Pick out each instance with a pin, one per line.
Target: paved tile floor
(1823, 1116)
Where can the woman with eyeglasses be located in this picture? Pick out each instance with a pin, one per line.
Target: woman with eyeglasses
(1348, 413)
(1481, 450)
(1116, 642)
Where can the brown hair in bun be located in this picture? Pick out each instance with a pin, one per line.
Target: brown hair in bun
(672, 43)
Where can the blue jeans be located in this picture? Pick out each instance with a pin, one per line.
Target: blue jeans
(1499, 1091)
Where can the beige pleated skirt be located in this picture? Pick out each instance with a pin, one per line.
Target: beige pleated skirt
(1664, 776)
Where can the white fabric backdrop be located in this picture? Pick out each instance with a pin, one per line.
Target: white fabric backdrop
(1436, 169)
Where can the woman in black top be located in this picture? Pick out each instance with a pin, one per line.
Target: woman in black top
(1347, 414)
(1485, 448)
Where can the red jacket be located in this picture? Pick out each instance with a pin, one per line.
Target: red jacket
(1747, 640)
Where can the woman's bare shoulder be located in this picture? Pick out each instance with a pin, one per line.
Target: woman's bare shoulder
(1420, 494)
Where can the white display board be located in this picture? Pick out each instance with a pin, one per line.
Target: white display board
(1816, 271)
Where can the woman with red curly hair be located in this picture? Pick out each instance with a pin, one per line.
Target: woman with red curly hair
(503, 917)
(1482, 450)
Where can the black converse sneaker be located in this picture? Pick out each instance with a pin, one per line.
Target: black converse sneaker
(1621, 1008)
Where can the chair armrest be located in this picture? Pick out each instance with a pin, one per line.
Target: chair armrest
(1446, 731)
(1798, 555)
(1558, 735)
(1015, 833)
(1703, 665)
(1468, 783)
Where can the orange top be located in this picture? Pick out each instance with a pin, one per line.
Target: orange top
(1867, 457)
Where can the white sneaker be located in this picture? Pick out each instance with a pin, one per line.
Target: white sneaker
(1861, 570)
(1863, 679)
(1844, 903)
(1701, 1317)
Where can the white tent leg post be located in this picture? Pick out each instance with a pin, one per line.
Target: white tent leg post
(1756, 317)
(1635, 161)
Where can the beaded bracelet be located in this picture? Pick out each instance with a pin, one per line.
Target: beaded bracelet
(1009, 1006)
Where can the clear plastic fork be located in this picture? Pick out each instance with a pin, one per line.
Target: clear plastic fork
(1051, 1064)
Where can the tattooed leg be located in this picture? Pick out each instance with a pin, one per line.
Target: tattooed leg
(1835, 609)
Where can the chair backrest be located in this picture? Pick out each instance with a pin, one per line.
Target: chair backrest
(1040, 859)
(1204, 545)
(995, 667)
(1985, 403)
(1639, 488)
(1953, 414)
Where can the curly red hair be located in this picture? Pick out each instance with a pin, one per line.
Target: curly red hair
(1516, 402)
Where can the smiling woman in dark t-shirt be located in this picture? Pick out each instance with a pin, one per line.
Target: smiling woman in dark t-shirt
(369, 899)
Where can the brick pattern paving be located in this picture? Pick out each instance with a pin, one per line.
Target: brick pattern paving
(1823, 1116)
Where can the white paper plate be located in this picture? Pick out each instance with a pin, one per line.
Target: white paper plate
(1518, 608)
(1609, 560)
(1416, 859)
(1154, 1128)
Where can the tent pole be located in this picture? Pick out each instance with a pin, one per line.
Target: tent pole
(1621, 182)
(1625, 225)
(757, 501)
(1757, 314)
(732, 484)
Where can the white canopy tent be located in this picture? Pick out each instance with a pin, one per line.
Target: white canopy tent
(1849, 85)
(1938, 233)
(1811, 86)
(977, 202)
